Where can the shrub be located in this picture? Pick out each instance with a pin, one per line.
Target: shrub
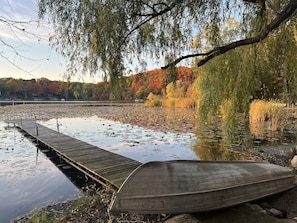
(153, 100)
(179, 102)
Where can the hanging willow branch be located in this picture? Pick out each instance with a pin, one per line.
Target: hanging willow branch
(106, 34)
(288, 12)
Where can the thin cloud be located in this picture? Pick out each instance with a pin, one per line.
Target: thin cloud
(20, 9)
(18, 21)
(24, 44)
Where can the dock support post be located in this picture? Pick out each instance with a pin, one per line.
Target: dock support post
(58, 129)
(39, 111)
(36, 127)
(13, 111)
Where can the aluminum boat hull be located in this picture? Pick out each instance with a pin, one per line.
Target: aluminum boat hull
(185, 186)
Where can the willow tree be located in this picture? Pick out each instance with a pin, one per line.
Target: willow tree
(107, 34)
(263, 71)
(226, 86)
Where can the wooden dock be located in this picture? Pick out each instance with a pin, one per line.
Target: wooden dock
(106, 168)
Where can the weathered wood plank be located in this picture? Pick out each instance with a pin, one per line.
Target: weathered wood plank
(93, 161)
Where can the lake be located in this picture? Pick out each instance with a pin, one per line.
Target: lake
(132, 141)
(29, 180)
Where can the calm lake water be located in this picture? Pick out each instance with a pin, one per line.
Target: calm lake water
(135, 142)
(28, 179)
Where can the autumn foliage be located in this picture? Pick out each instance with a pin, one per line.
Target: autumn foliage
(137, 86)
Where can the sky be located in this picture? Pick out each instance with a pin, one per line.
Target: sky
(29, 56)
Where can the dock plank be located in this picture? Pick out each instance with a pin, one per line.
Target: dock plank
(103, 166)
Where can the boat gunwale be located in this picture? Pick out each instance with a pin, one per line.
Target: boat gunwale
(210, 191)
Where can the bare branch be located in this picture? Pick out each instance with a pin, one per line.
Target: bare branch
(283, 16)
(148, 5)
(288, 12)
(155, 12)
(183, 58)
(18, 30)
(16, 66)
(146, 20)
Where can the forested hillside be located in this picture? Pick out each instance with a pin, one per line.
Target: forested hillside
(137, 86)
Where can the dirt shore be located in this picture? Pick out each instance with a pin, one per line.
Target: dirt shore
(94, 206)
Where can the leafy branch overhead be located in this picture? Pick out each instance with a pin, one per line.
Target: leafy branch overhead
(108, 34)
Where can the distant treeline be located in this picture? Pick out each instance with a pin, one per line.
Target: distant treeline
(137, 86)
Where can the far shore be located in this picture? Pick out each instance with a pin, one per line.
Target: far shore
(132, 113)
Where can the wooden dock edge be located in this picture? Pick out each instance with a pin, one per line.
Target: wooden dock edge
(108, 184)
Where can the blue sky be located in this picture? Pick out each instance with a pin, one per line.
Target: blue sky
(29, 56)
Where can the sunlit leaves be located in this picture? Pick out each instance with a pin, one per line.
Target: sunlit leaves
(104, 34)
(266, 71)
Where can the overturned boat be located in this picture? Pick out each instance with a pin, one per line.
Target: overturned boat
(185, 186)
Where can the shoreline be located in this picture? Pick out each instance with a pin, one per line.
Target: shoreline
(96, 204)
(134, 114)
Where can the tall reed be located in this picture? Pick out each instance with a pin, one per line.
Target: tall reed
(270, 115)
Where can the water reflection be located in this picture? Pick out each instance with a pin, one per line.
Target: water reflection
(262, 134)
(135, 142)
(27, 178)
(210, 145)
